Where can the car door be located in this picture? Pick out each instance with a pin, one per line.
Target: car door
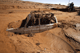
(32, 29)
(45, 27)
(35, 29)
(27, 30)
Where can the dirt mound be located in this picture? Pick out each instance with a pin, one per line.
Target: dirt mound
(15, 24)
(26, 5)
(4, 7)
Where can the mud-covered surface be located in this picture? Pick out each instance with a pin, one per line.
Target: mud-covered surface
(62, 39)
(15, 24)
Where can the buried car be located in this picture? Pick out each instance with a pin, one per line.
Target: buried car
(37, 21)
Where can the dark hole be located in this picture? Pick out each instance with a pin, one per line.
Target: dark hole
(37, 44)
(77, 49)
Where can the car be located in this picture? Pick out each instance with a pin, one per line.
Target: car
(37, 21)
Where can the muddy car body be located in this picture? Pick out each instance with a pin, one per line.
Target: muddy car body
(37, 21)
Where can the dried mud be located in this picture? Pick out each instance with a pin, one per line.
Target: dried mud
(57, 40)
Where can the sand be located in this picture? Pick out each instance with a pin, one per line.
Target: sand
(50, 41)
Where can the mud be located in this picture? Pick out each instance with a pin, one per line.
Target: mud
(63, 25)
(61, 39)
(15, 24)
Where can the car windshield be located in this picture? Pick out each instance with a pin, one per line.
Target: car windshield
(38, 19)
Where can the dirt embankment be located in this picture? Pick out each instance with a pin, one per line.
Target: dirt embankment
(26, 5)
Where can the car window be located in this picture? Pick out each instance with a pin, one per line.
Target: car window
(44, 21)
(33, 22)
